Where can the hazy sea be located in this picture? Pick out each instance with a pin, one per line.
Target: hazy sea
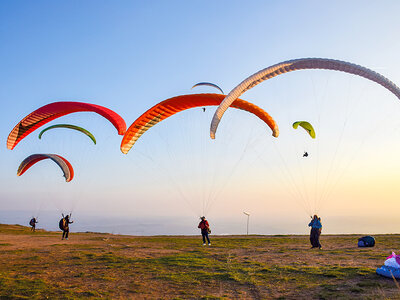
(182, 225)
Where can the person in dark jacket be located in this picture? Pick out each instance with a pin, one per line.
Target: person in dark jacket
(315, 232)
(205, 230)
(65, 227)
(33, 222)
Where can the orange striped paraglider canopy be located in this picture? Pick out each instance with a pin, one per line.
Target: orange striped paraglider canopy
(177, 104)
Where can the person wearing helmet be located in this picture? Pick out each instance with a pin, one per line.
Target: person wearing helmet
(205, 230)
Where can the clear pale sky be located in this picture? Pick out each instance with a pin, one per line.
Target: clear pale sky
(130, 55)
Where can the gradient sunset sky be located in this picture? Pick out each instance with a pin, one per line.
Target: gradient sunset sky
(130, 55)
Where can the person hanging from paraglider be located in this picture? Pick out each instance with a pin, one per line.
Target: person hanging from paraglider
(204, 109)
(64, 225)
(305, 154)
(205, 230)
(32, 223)
(316, 228)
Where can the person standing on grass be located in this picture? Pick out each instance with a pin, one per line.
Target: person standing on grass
(205, 230)
(316, 228)
(64, 226)
(33, 222)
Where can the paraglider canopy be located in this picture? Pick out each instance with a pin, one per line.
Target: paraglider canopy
(74, 127)
(208, 84)
(64, 164)
(55, 110)
(306, 126)
(171, 106)
(293, 65)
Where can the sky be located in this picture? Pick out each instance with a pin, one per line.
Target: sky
(130, 55)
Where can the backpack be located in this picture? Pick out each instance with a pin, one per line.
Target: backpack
(366, 241)
(206, 227)
(62, 224)
(32, 222)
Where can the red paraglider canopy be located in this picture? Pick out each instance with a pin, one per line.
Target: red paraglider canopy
(55, 110)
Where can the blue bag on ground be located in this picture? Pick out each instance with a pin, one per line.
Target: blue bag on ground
(366, 241)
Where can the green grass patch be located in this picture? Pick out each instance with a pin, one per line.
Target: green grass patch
(22, 288)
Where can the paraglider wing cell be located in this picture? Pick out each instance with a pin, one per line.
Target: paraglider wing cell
(293, 65)
(64, 164)
(177, 104)
(208, 84)
(74, 127)
(55, 110)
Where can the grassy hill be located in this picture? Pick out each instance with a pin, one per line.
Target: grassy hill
(95, 265)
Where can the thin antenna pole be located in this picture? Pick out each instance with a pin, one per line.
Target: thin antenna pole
(248, 217)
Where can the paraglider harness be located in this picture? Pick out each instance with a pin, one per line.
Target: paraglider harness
(63, 224)
(203, 226)
(32, 222)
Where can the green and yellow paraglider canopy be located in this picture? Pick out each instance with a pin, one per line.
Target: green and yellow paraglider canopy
(74, 127)
(307, 126)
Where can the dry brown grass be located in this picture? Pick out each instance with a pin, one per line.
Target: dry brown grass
(93, 265)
